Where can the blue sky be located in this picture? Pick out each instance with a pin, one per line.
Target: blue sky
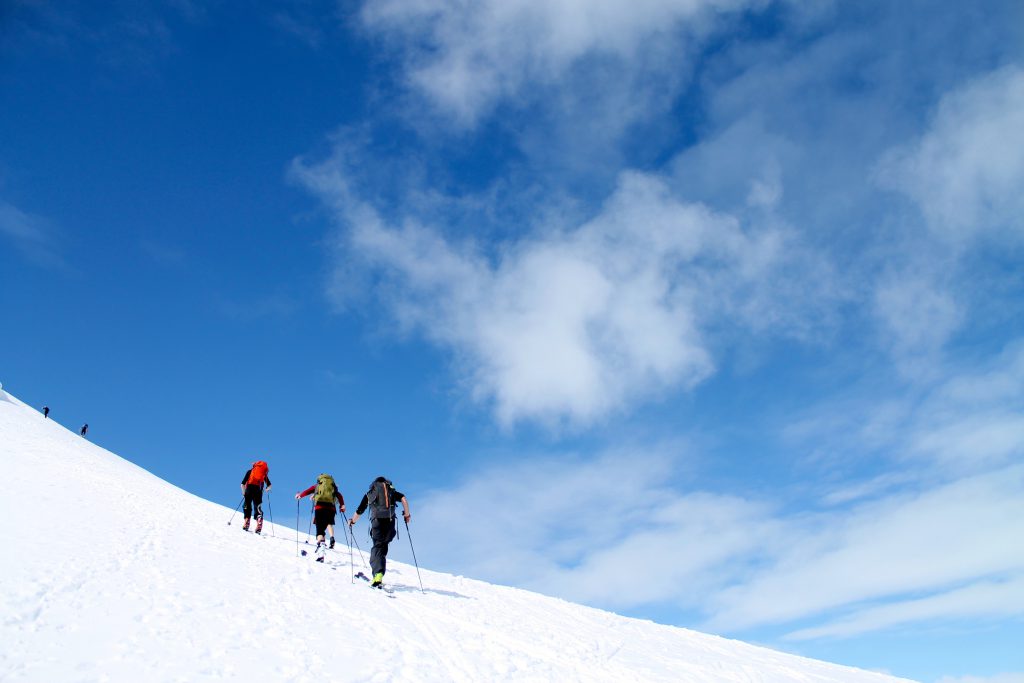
(707, 312)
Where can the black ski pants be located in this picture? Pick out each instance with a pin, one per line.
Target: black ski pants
(323, 517)
(253, 499)
(382, 532)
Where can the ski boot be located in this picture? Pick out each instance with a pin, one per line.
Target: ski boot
(378, 580)
(259, 524)
(332, 542)
(245, 525)
(321, 550)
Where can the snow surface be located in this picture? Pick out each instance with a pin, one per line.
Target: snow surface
(108, 573)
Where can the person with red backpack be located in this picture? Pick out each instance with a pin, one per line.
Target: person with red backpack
(252, 488)
(381, 499)
(325, 492)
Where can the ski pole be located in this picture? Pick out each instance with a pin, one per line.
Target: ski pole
(296, 527)
(348, 540)
(236, 510)
(409, 536)
(309, 531)
(270, 508)
(355, 541)
(351, 560)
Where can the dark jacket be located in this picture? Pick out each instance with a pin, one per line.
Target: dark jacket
(381, 499)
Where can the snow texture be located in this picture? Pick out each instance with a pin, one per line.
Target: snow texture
(111, 574)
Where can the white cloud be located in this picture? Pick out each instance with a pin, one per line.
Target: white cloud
(866, 557)
(574, 324)
(982, 599)
(614, 532)
(998, 678)
(970, 420)
(966, 171)
(929, 539)
(918, 316)
(468, 56)
(887, 549)
(977, 439)
(608, 530)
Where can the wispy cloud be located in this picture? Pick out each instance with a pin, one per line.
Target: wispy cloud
(313, 22)
(998, 678)
(574, 321)
(966, 171)
(569, 525)
(840, 123)
(468, 57)
(893, 548)
(853, 560)
(774, 215)
(273, 305)
(31, 235)
(790, 131)
(918, 314)
(970, 421)
(122, 35)
(300, 27)
(166, 255)
(611, 531)
(988, 599)
(961, 173)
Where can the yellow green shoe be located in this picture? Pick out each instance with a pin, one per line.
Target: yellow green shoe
(378, 579)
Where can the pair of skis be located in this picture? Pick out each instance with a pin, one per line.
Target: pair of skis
(358, 575)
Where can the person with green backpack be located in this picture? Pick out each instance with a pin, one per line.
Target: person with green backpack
(325, 492)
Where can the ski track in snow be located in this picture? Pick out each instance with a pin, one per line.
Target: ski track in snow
(122, 577)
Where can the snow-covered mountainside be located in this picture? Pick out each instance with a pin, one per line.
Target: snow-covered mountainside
(109, 573)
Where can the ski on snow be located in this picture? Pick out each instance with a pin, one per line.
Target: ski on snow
(364, 577)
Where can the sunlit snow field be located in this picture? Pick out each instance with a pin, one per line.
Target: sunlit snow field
(111, 574)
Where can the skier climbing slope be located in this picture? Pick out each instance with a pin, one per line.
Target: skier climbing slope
(135, 594)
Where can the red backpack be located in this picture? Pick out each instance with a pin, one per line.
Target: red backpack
(258, 473)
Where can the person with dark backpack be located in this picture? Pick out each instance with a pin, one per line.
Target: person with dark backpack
(84, 430)
(46, 412)
(381, 499)
(252, 488)
(325, 492)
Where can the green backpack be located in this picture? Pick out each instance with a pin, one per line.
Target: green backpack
(325, 489)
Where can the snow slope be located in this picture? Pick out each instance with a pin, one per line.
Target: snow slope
(111, 574)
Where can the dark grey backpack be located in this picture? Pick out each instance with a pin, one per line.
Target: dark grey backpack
(381, 500)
